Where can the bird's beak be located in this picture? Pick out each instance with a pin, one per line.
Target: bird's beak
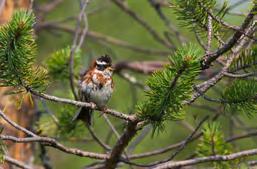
(111, 68)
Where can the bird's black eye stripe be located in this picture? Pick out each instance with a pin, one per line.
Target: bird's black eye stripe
(101, 67)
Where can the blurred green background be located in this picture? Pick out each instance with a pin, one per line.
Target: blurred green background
(106, 18)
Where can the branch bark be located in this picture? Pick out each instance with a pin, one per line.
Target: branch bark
(209, 58)
(195, 161)
(120, 146)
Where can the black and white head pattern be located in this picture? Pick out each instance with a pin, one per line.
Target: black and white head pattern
(103, 62)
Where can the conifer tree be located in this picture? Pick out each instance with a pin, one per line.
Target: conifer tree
(170, 92)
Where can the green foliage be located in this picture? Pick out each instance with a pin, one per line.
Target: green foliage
(2, 151)
(45, 126)
(246, 61)
(66, 127)
(170, 87)
(194, 13)
(17, 54)
(58, 63)
(2, 148)
(213, 143)
(241, 97)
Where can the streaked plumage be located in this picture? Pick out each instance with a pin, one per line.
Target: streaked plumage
(96, 86)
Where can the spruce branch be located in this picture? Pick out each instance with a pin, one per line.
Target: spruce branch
(194, 14)
(17, 54)
(2, 149)
(245, 28)
(58, 65)
(246, 61)
(241, 97)
(170, 87)
(213, 143)
(214, 158)
(83, 104)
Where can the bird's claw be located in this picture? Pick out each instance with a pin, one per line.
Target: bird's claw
(103, 110)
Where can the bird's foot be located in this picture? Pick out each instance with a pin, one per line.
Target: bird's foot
(103, 110)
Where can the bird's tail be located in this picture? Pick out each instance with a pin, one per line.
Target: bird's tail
(84, 114)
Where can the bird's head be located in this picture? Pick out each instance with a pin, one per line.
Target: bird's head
(104, 64)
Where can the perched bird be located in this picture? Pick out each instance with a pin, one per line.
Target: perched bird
(96, 85)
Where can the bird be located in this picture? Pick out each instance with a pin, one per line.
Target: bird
(96, 85)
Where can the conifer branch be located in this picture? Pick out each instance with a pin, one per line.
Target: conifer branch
(203, 87)
(120, 145)
(46, 141)
(208, 59)
(16, 163)
(215, 158)
(82, 104)
(170, 88)
(17, 54)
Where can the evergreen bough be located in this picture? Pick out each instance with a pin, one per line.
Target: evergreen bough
(171, 86)
(58, 63)
(213, 143)
(247, 61)
(2, 148)
(194, 14)
(241, 97)
(18, 52)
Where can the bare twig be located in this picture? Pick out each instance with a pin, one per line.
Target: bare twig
(16, 162)
(189, 138)
(199, 40)
(46, 141)
(83, 104)
(181, 147)
(146, 67)
(245, 25)
(85, 29)
(44, 157)
(103, 38)
(97, 139)
(112, 162)
(238, 137)
(218, 20)
(15, 125)
(179, 144)
(236, 4)
(209, 34)
(162, 150)
(77, 41)
(244, 75)
(120, 146)
(195, 161)
(142, 22)
(139, 139)
(157, 6)
(252, 163)
(211, 82)
(132, 80)
(49, 6)
(2, 4)
(115, 132)
(53, 143)
(55, 119)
